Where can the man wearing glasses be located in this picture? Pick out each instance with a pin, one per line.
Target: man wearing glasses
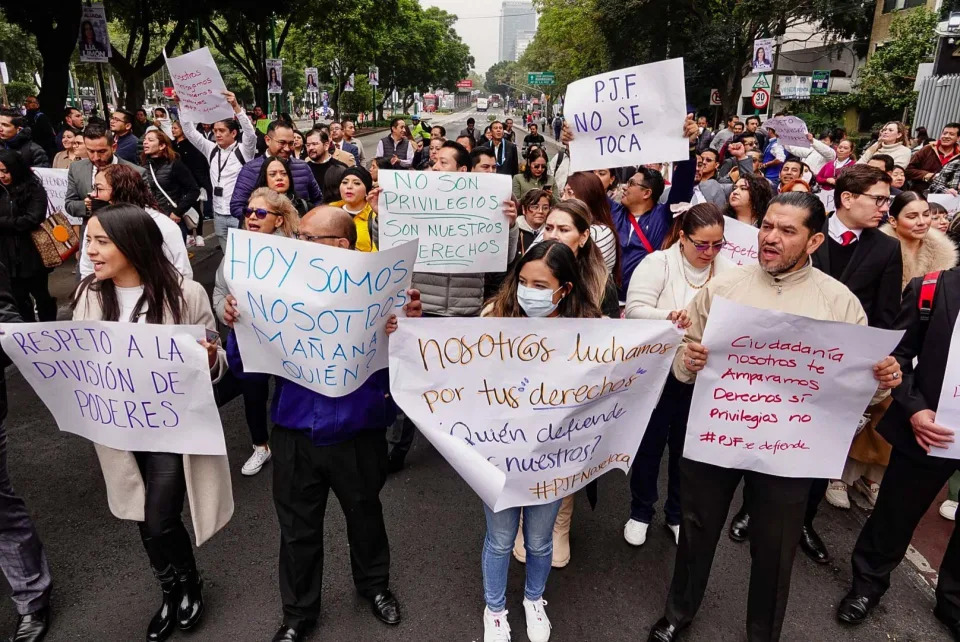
(121, 124)
(870, 264)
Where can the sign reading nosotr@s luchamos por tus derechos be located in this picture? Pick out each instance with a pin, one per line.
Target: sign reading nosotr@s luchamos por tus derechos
(531, 410)
(456, 216)
(781, 394)
(314, 314)
(627, 117)
(129, 386)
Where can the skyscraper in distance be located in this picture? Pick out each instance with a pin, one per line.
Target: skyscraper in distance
(516, 16)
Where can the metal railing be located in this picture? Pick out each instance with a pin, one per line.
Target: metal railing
(938, 103)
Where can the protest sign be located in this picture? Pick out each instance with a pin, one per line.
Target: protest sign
(948, 408)
(274, 76)
(827, 197)
(199, 87)
(790, 130)
(739, 242)
(94, 40)
(457, 216)
(311, 313)
(950, 203)
(781, 394)
(55, 182)
(529, 410)
(626, 117)
(129, 386)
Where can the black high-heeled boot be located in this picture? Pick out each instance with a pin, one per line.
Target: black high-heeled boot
(164, 621)
(191, 598)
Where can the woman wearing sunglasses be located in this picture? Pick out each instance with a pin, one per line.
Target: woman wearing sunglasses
(267, 212)
(660, 288)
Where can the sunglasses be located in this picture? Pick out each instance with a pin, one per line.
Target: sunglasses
(259, 212)
(703, 247)
(314, 239)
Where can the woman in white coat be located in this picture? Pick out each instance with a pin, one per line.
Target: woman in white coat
(660, 288)
(133, 280)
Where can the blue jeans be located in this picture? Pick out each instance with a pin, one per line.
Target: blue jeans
(537, 539)
(222, 223)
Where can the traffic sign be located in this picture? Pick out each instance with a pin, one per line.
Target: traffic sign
(715, 97)
(820, 83)
(760, 98)
(541, 78)
(762, 82)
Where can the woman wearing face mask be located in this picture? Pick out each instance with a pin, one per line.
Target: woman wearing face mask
(749, 199)
(827, 176)
(354, 187)
(134, 281)
(275, 174)
(267, 212)
(534, 175)
(161, 120)
(893, 142)
(588, 187)
(122, 184)
(545, 282)
(534, 207)
(23, 207)
(660, 288)
(170, 180)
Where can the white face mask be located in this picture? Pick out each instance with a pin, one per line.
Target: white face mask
(535, 302)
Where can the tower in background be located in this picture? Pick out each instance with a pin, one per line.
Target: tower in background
(516, 17)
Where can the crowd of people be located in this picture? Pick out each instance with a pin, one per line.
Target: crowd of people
(621, 242)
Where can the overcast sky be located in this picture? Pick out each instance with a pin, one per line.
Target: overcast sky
(478, 26)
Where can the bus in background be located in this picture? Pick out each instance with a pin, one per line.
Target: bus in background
(496, 102)
(481, 104)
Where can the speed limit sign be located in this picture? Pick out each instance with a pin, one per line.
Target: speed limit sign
(760, 98)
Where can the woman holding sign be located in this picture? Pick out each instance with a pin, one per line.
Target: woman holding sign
(134, 281)
(545, 282)
(660, 288)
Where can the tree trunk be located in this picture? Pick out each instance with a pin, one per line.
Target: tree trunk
(56, 45)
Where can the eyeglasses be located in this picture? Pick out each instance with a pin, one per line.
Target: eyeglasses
(633, 183)
(539, 208)
(259, 212)
(703, 247)
(880, 199)
(118, 119)
(538, 166)
(315, 239)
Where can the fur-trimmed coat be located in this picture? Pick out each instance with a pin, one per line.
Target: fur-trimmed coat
(937, 252)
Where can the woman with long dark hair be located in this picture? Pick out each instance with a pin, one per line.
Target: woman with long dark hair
(23, 207)
(170, 180)
(588, 187)
(275, 173)
(134, 281)
(534, 174)
(749, 199)
(660, 288)
(545, 283)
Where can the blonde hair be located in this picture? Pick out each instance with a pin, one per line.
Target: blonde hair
(279, 203)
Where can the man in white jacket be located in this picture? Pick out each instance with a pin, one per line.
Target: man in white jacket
(818, 154)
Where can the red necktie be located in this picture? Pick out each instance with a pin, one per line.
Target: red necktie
(847, 238)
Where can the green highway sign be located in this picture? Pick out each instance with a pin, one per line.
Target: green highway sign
(541, 78)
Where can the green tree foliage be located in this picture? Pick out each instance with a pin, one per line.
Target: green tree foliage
(500, 76)
(19, 50)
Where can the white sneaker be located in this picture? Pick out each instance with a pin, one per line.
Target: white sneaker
(837, 494)
(260, 456)
(190, 241)
(870, 490)
(495, 627)
(635, 532)
(538, 624)
(199, 241)
(675, 529)
(948, 510)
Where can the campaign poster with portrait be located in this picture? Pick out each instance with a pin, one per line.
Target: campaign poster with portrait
(762, 55)
(310, 78)
(93, 41)
(274, 76)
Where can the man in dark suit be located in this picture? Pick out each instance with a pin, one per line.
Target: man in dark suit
(918, 468)
(471, 131)
(504, 151)
(870, 264)
(101, 151)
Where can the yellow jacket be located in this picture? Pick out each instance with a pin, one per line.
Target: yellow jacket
(362, 221)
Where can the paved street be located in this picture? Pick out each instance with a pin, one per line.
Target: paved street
(104, 589)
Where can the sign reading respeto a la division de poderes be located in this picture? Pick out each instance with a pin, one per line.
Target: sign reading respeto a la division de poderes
(457, 217)
(129, 386)
(531, 410)
(313, 314)
(628, 117)
(782, 395)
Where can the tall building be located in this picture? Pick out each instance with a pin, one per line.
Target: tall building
(524, 38)
(516, 16)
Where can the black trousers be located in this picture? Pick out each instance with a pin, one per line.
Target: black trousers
(256, 399)
(303, 476)
(818, 490)
(777, 504)
(164, 536)
(34, 286)
(909, 487)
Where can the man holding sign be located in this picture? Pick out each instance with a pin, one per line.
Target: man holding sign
(784, 280)
(322, 443)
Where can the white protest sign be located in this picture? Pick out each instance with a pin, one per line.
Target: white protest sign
(129, 386)
(781, 394)
(314, 314)
(790, 130)
(199, 87)
(739, 242)
(55, 183)
(626, 117)
(950, 203)
(948, 408)
(530, 410)
(827, 197)
(457, 217)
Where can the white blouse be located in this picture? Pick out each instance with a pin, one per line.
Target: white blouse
(661, 283)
